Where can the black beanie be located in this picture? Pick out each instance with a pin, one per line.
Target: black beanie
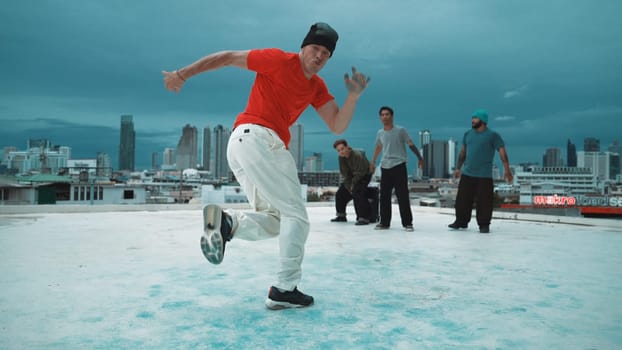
(321, 34)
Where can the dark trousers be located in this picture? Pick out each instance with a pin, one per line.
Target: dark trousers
(358, 195)
(395, 178)
(480, 190)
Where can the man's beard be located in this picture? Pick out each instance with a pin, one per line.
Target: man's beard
(477, 125)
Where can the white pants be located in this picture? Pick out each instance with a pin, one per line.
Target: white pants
(267, 172)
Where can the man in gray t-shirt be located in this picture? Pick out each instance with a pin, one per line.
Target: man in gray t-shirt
(391, 140)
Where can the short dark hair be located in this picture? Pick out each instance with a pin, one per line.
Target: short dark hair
(385, 108)
(340, 141)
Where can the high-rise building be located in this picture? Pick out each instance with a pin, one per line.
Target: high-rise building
(221, 138)
(314, 163)
(591, 144)
(616, 155)
(168, 159)
(127, 144)
(207, 148)
(186, 153)
(424, 138)
(452, 154)
(599, 162)
(45, 160)
(104, 167)
(615, 165)
(155, 157)
(296, 145)
(39, 143)
(571, 154)
(437, 163)
(552, 158)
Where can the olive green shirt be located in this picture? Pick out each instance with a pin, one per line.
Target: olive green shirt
(354, 168)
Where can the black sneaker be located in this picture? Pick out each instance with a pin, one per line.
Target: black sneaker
(484, 229)
(217, 227)
(455, 225)
(381, 227)
(278, 300)
(339, 219)
(361, 222)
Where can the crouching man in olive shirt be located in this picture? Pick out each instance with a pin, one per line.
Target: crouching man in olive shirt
(354, 168)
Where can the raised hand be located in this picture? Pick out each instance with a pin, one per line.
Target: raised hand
(357, 83)
(172, 81)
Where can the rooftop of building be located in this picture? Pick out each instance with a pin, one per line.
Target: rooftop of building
(134, 277)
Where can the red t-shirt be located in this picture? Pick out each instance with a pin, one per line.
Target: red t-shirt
(281, 92)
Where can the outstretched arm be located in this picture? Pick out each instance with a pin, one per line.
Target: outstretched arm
(337, 119)
(175, 80)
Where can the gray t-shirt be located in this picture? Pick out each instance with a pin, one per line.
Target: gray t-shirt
(393, 146)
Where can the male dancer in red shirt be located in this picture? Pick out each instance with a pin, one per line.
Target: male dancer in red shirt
(285, 85)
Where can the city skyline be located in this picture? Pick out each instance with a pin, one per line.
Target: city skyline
(543, 78)
(329, 162)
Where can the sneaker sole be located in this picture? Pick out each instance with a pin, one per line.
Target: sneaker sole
(280, 305)
(211, 241)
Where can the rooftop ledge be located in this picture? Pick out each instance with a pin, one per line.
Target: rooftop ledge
(497, 215)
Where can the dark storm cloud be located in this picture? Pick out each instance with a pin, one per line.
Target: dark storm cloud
(546, 71)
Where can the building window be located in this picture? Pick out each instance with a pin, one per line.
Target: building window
(75, 193)
(81, 193)
(101, 192)
(128, 194)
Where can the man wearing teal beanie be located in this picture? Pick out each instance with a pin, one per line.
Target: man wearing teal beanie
(482, 115)
(478, 149)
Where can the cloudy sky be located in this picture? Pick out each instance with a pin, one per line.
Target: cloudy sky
(547, 71)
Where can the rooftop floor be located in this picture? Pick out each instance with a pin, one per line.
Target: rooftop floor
(137, 279)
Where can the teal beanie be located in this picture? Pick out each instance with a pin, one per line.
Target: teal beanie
(482, 115)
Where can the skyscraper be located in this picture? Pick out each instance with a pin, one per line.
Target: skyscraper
(591, 144)
(207, 148)
(155, 157)
(599, 162)
(296, 145)
(127, 144)
(168, 158)
(103, 165)
(186, 155)
(438, 158)
(571, 154)
(616, 163)
(314, 163)
(221, 138)
(615, 147)
(426, 152)
(424, 138)
(552, 158)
